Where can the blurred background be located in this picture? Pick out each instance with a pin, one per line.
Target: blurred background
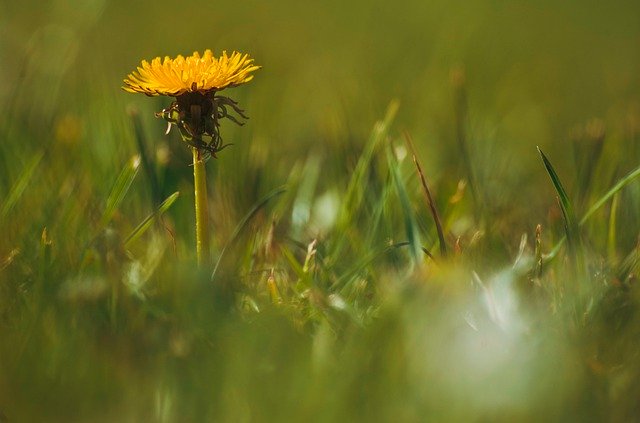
(505, 76)
(534, 72)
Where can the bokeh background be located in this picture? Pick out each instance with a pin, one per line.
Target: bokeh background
(534, 70)
(559, 75)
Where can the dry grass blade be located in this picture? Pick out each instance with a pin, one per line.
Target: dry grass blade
(428, 196)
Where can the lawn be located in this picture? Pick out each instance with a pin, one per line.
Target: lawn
(432, 213)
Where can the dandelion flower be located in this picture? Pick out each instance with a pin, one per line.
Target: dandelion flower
(195, 82)
(193, 74)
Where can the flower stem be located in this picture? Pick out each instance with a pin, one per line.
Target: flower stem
(202, 212)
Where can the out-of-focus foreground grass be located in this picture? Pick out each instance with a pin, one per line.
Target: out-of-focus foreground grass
(324, 305)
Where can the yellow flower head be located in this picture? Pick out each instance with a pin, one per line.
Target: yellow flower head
(193, 74)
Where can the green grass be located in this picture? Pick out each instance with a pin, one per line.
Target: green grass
(330, 296)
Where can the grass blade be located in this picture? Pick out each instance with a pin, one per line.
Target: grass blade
(354, 195)
(304, 279)
(429, 198)
(609, 194)
(356, 191)
(411, 228)
(461, 116)
(570, 221)
(343, 281)
(611, 230)
(20, 185)
(141, 142)
(260, 204)
(626, 180)
(146, 223)
(119, 190)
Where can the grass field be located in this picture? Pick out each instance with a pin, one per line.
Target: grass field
(329, 295)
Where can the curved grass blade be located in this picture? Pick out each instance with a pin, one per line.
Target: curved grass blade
(119, 190)
(609, 194)
(570, 221)
(410, 225)
(146, 223)
(596, 206)
(260, 204)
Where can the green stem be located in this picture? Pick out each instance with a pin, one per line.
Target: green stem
(202, 213)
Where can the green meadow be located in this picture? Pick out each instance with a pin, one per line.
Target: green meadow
(431, 214)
